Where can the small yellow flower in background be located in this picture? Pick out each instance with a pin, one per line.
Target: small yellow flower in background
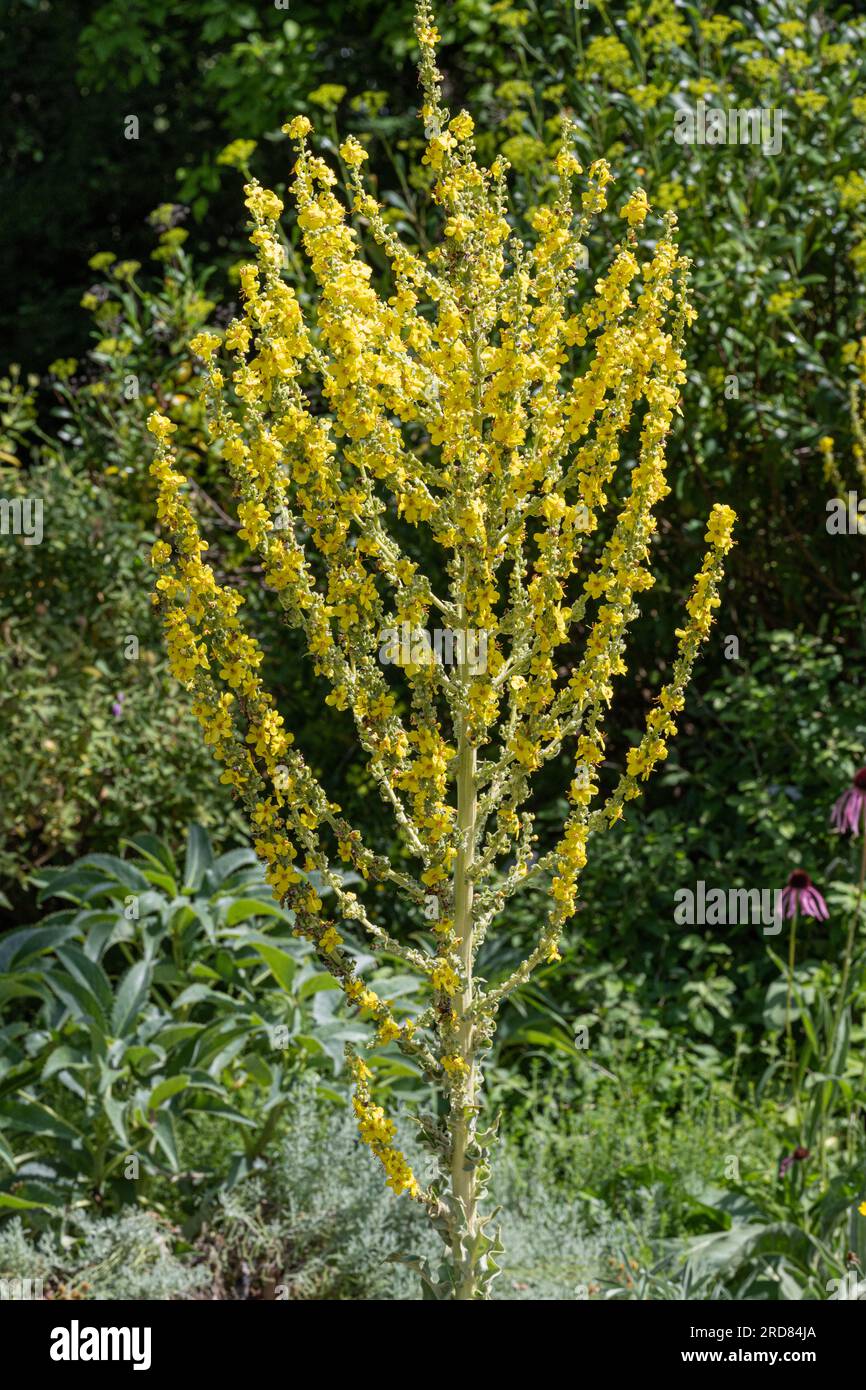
(795, 60)
(839, 53)
(102, 260)
(852, 190)
(647, 96)
(761, 71)
(169, 243)
(862, 1208)
(781, 300)
(811, 102)
(371, 102)
(238, 154)
(524, 152)
(63, 368)
(671, 194)
(125, 270)
(514, 91)
(608, 57)
(718, 29)
(328, 96)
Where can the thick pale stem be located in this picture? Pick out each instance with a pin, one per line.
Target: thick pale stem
(463, 1118)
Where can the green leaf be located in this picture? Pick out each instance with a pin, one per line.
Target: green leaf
(126, 874)
(320, 980)
(13, 1203)
(35, 1118)
(27, 942)
(242, 909)
(281, 965)
(61, 1059)
(131, 994)
(229, 863)
(155, 850)
(88, 974)
(6, 1154)
(165, 1138)
(166, 1089)
(199, 858)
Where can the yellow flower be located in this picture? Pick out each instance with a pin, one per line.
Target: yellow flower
(387, 1031)
(781, 301)
(237, 154)
(636, 208)
(444, 977)
(160, 426)
(63, 368)
(378, 1131)
(462, 126)
(204, 345)
(353, 153)
(330, 939)
(328, 96)
(720, 527)
(297, 127)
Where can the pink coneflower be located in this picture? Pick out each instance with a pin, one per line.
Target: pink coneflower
(847, 813)
(801, 895)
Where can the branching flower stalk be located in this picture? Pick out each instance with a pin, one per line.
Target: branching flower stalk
(474, 419)
(853, 355)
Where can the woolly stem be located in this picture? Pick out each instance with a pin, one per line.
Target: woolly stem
(464, 1097)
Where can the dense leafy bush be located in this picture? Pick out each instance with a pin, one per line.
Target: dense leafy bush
(97, 740)
(161, 998)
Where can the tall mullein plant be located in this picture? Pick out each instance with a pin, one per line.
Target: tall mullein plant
(448, 406)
